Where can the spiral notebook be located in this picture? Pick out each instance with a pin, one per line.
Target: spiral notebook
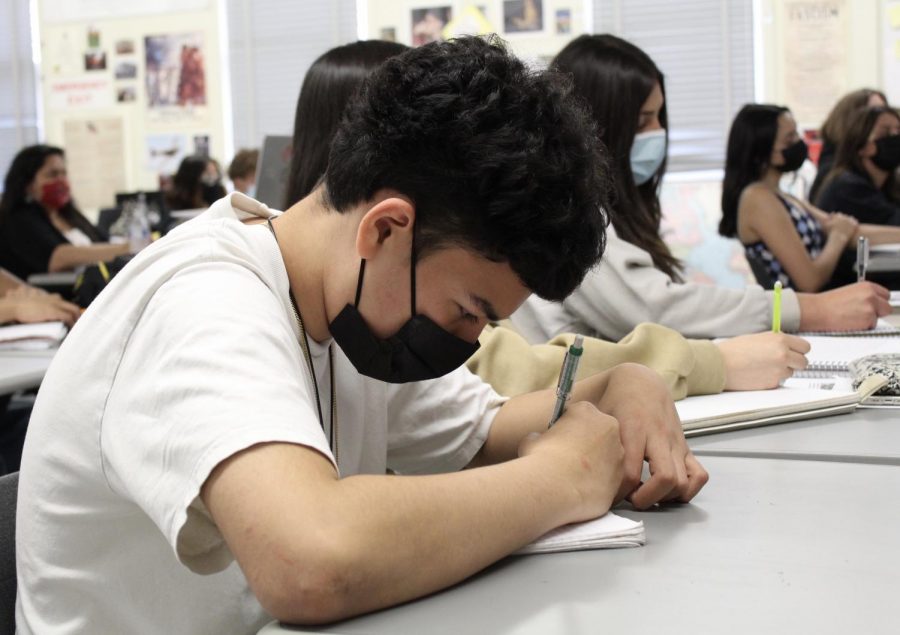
(830, 355)
(882, 328)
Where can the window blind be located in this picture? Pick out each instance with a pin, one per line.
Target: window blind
(705, 50)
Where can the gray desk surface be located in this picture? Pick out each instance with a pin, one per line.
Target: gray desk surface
(869, 435)
(770, 545)
(21, 370)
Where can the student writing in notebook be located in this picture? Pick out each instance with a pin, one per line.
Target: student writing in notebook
(505, 360)
(226, 458)
(639, 279)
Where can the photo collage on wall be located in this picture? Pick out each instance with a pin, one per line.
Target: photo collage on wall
(534, 29)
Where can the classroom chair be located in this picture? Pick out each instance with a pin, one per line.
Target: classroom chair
(9, 489)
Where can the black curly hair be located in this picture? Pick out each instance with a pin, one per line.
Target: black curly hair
(497, 158)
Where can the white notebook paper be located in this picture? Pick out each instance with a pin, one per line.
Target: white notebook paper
(607, 532)
(32, 337)
(797, 399)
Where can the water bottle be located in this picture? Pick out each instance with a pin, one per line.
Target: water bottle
(139, 225)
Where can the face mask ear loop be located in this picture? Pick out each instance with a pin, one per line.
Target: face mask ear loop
(362, 270)
(412, 273)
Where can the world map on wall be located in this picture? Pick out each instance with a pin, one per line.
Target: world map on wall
(691, 213)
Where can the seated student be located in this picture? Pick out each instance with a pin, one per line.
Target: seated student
(233, 468)
(242, 171)
(505, 360)
(41, 230)
(332, 79)
(835, 127)
(796, 242)
(196, 184)
(863, 181)
(639, 279)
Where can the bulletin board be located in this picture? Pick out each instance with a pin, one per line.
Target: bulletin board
(890, 40)
(129, 90)
(534, 29)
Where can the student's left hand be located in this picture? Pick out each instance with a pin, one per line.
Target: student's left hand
(651, 431)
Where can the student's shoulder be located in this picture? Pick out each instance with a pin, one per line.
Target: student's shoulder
(758, 199)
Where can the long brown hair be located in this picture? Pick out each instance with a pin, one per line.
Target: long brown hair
(840, 117)
(614, 78)
(856, 137)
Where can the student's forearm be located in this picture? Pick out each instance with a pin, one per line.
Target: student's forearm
(366, 542)
(67, 257)
(823, 265)
(877, 234)
(529, 413)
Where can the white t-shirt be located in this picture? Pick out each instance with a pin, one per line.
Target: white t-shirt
(191, 355)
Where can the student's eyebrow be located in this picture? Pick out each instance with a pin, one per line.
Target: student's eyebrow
(486, 307)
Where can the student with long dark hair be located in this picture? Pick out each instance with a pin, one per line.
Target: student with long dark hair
(327, 87)
(835, 127)
(41, 229)
(639, 280)
(795, 242)
(862, 182)
(197, 184)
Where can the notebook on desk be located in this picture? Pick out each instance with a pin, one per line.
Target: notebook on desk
(32, 337)
(796, 399)
(882, 328)
(607, 532)
(830, 355)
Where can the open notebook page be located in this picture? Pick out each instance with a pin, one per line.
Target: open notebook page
(607, 532)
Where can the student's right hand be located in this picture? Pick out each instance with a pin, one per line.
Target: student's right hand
(841, 224)
(848, 308)
(762, 360)
(584, 453)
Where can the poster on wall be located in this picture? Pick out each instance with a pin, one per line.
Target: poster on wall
(815, 57)
(95, 149)
(523, 16)
(428, 24)
(890, 41)
(85, 91)
(165, 152)
(175, 71)
(535, 30)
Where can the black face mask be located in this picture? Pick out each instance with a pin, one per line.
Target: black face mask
(420, 350)
(794, 156)
(212, 192)
(887, 155)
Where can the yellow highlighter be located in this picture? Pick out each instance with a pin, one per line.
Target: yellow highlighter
(776, 308)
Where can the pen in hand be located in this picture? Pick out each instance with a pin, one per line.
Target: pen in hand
(862, 258)
(567, 377)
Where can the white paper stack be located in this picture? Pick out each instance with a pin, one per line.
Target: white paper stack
(607, 532)
(32, 337)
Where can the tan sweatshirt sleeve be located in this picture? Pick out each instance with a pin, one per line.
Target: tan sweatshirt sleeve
(513, 366)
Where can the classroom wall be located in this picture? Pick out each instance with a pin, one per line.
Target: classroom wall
(105, 112)
(845, 52)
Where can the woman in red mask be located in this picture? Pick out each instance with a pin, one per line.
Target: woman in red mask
(41, 230)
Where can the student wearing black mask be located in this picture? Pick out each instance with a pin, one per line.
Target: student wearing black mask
(196, 184)
(863, 180)
(239, 443)
(796, 243)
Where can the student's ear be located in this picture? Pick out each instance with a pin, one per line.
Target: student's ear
(388, 222)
